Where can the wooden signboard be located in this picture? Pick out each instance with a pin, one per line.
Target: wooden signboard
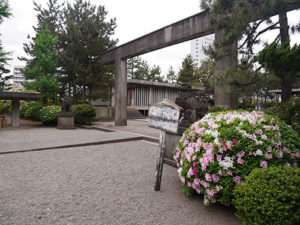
(165, 116)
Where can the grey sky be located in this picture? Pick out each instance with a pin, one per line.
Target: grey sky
(134, 18)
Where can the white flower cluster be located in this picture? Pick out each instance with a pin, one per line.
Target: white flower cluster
(226, 163)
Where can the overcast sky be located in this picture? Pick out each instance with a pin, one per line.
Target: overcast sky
(134, 19)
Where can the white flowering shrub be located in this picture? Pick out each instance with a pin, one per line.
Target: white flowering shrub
(49, 114)
(222, 148)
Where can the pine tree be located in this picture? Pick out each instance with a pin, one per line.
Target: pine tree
(171, 75)
(155, 74)
(44, 70)
(186, 73)
(4, 13)
(283, 61)
(86, 35)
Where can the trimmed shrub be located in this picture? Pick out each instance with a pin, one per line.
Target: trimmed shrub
(49, 114)
(4, 107)
(23, 108)
(33, 111)
(269, 196)
(84, 114)
(222, 148)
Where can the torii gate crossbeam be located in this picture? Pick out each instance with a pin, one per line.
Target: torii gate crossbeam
(184, 30)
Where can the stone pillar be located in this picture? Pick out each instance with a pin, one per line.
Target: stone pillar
(133, 96)
(150, 95)
(120, 90)
(225, 95)
(15, 117)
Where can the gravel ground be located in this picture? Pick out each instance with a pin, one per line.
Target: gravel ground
(26, 139)
(105, 184)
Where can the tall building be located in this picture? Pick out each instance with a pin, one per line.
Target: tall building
(197, 45)
(18, 75)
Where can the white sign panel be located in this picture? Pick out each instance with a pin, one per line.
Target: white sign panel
(165, 116)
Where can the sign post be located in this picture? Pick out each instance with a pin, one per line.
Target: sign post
(164, 116)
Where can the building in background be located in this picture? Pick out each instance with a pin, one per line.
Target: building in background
(197, 45)
(18, 75)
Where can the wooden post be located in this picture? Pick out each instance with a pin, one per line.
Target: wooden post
(120, 91)
(160, 161)
(225, 94)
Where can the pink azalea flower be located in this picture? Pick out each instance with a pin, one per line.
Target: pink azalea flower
(237, 179)
(207, 177)
(295, 155)
(194, 171)
(190, 173)
(198, 190)
(268, 156)
(234, 140)
(204, 184)
(241, 154)
(215, 178)
(220, 172)
(263, 164)
(240, 161)
(194, 164)
(219, 157)
(189, 184)
(295, 164)
(182, 179)
(229, 172)
(287, 164)
(279, 154)
(213, 200)
(269, 149)
(259, 132)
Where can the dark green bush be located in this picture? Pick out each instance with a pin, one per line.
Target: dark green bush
(217, 109)
(33, 111)
(289, 112)
(84, 114)
(4, 107)
(269, 196)
(48, 115)
(23, 108)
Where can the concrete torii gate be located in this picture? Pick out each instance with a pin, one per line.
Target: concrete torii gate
(184, 30)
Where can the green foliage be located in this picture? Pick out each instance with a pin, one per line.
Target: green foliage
(44, 70)
(220, 150)
(23, 108)
(289, 112)
(269, 196)
(140, 69)
(4, 107)
(218, 109)
(49, 114)
(171, 75)
(4, 13)
(84, 114)
(282, 60)
(186, 74)
(33, 111)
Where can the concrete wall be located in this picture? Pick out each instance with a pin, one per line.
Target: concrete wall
(104, 112)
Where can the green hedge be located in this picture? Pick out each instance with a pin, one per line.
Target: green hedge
(4, 107)
(33, 111)
(49, 114)
(84, 114)
(269, 196)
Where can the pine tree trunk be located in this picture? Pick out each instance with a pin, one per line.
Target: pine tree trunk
(286, 82)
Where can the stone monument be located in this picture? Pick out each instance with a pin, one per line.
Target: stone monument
(65, 118)
(192, 112)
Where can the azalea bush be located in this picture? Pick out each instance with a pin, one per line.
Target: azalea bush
(269, 196)
(49, 114)
(222, 148)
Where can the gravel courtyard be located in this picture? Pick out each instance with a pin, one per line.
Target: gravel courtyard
(102, 184)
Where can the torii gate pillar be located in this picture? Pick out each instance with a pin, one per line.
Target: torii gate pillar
(225, 95)
(120, 90)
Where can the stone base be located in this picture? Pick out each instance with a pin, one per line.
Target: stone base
(65, 122)
(171, 142)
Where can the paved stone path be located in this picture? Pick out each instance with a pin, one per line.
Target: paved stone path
(103, 184)
(47, 137)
